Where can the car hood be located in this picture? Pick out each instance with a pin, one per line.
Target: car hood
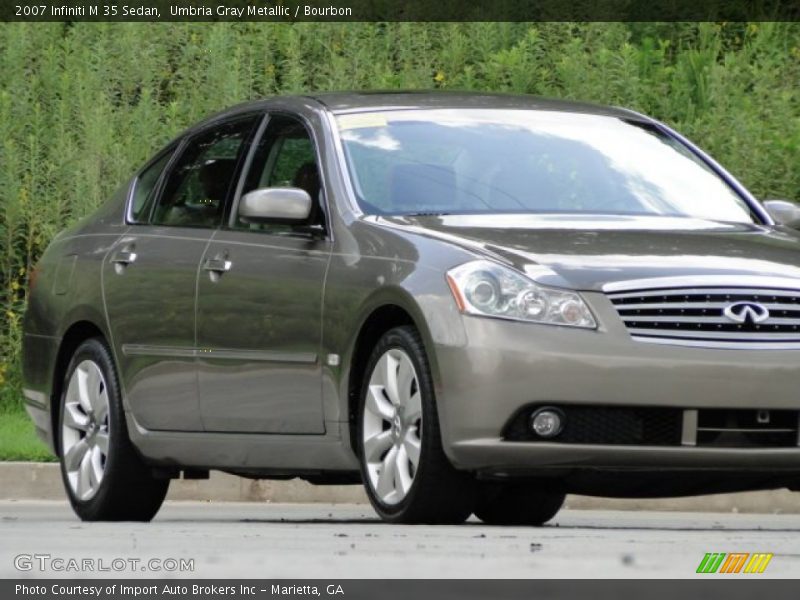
(588, 251)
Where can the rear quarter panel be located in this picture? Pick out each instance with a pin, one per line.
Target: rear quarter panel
(66, 289)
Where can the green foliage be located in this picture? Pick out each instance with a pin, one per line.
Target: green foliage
(82, 105)
(18, 440)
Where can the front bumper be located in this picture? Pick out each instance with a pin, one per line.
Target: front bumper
(504, 366)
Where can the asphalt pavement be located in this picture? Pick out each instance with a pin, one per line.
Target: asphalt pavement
(348, 541)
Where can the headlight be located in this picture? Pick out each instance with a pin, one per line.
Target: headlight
(485, 288)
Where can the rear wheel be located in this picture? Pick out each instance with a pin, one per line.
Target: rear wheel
(517, 503)
(105, 478)
(407, 476)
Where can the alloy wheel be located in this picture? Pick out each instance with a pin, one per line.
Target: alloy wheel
(85, 430)
(392, 426)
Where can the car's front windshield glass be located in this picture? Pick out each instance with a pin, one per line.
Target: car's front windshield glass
(468, 161)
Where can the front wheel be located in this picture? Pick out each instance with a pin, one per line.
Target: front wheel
(524, 503)
(105, 478)
(407, 476)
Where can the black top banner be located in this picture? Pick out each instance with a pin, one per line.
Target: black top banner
(398, 10)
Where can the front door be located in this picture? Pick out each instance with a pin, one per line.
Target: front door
(259, 321)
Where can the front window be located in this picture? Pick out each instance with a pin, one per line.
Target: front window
(285, 156)
(473, 161)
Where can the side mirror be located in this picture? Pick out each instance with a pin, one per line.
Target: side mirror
(784, 212)
(285, 204)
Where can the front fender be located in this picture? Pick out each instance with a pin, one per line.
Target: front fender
(421, 292)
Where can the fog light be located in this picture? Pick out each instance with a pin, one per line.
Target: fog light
(547, 422)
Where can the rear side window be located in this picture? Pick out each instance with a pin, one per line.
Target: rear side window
(145, 187)
(199, 181)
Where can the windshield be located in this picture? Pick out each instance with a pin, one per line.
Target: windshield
(460, 161)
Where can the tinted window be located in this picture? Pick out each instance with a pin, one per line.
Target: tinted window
(198, 183)
(285, 157)
(527, 161)
(144, 189)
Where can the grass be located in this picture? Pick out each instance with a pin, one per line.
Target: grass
(18, 439)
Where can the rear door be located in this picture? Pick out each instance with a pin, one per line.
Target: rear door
(259, 302)
(150, 275)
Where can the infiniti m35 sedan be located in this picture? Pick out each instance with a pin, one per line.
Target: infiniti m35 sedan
(473, 304)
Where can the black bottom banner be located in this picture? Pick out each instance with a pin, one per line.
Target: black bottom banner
(391, 589)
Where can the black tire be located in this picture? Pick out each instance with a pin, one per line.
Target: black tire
(439, 494)
(128, 491)
(517, 503)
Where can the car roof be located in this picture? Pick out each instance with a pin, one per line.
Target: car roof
(342, 102)
(352, 102)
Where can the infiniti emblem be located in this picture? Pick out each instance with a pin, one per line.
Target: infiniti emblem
(744, 312)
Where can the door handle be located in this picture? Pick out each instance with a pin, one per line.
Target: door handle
(122, 259)
(125, 257)
(217, 266)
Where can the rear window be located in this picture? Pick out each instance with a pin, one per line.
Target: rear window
(144, 189)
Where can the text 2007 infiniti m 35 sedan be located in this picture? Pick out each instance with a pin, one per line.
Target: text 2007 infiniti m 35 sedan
(472, 303)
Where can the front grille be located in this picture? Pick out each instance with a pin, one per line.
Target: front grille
(696, 316)
(606, 425)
